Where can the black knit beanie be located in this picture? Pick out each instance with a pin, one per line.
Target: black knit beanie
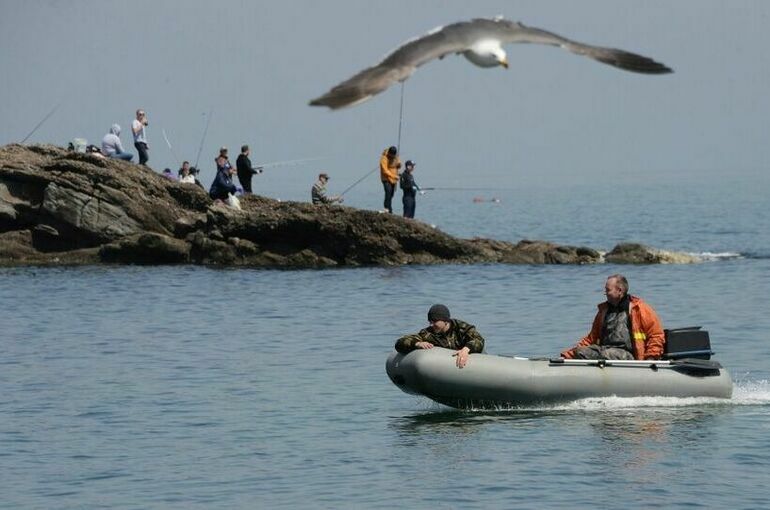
(438, 313)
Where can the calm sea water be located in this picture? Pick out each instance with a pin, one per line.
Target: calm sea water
(182, 387)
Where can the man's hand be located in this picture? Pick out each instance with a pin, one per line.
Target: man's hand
(424, 345)
(462, 357)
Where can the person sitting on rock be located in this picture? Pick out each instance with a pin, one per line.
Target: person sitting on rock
(223, 185)
(444, 332)
(625, 327)
(111, 146)
(185, 176)
(318, 192)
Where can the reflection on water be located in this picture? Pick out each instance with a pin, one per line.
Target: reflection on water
(630, 444)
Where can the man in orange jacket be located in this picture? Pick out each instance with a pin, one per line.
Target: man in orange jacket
(625, 327)
(389, 165)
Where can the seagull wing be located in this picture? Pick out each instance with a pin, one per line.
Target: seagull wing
(459, 37)
(513, 32)
(399, 65)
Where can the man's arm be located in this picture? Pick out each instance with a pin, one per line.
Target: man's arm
(473, 340)
(591, 338)
(408, 343)
(653, 328)
(383, 166)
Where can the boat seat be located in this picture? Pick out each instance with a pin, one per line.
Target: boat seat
(692, 342)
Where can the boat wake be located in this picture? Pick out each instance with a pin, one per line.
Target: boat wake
(746, 393)
(751, 393)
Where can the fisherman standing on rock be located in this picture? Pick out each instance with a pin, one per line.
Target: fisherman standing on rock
(389, 165)
(410, 189)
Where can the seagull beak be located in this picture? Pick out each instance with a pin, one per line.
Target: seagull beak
(504, 63)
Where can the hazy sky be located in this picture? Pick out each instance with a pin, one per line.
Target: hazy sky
(551, 118)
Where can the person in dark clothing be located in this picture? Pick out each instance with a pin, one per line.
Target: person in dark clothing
(223, 182)
(410, 189)
(245, 170)
(444, 332)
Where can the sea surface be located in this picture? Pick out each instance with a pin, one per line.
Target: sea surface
(194, 387)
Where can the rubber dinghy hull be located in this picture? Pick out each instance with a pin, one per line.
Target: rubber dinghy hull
(497, 381)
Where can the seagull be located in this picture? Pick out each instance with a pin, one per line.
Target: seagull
(481, 42)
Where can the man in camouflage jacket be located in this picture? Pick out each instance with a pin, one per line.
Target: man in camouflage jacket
(444, 332)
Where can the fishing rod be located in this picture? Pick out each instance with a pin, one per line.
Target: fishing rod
(205, 130)
(178, 161)
(398, 146)
(439, 188)
(400, 117)
(260, 167)
(359, 180)
(41, 122)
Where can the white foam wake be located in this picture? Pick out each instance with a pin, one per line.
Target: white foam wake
(708, 256)
(744, 393)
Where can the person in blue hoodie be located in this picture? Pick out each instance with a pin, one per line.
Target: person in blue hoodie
(111, 146)
(223, 182)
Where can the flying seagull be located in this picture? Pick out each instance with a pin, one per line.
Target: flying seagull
(480, 41)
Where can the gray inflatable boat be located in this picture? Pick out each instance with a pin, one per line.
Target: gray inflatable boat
(493, 382)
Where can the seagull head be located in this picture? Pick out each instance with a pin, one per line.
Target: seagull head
(487, 53)
(502, 58)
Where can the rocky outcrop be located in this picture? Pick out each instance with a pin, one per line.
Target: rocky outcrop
(62, 207)
(635, 253)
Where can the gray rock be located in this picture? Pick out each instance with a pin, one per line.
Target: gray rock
(60, 207)
(88, 214)
(147, 248)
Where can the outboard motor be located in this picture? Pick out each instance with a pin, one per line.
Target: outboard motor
(690, 342)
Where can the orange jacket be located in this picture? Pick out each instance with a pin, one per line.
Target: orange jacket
(646, 331)
(389, 168)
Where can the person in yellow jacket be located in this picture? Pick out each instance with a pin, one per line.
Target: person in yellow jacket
(389, 165)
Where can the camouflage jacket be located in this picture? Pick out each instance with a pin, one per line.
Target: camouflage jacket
(460, 334)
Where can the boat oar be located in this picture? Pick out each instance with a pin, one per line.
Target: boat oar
(694, 363)
(686, 363)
